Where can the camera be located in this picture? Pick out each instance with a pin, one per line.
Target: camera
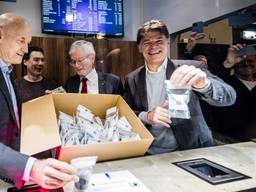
(247, 50)
(198, 27)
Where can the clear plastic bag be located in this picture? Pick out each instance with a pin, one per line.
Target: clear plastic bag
(178, 98)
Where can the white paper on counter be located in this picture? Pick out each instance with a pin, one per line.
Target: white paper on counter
(116, 181)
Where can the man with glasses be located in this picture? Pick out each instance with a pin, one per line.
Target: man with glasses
(33, 84)
(146, 94)
(87, 79)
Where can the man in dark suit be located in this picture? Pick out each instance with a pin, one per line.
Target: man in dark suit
(146, 94)
(87, 80)
(15, 36)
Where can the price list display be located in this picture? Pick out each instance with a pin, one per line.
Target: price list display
(83, 16)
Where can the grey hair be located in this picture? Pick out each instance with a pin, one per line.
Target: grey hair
(86, 46)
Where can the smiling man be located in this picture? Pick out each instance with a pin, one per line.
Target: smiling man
(33, 84)
(146, 94)
(15, 167)
(87, 79)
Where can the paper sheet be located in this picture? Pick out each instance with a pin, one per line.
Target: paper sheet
(117, 181)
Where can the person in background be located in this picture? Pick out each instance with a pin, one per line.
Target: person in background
(87, 79)
(16, 167)
(33, 84)
(189, 50)
(238, 121)
(145, 93)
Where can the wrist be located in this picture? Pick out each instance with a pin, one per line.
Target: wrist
(148, 117)
(228, 64)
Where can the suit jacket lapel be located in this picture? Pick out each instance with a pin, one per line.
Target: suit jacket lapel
(101, 83)
(141, 87)
(170, 68)
(5, 91)
(76, 84)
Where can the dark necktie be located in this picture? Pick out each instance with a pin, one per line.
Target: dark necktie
(84, 85)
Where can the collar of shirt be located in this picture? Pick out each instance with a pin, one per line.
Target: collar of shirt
(92, 76)
(160, 68)
(249, 84)
(6, 68)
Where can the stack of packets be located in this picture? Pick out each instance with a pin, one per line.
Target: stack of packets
(86, 128)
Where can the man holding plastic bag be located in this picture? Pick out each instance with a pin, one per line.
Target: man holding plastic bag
(171, 109)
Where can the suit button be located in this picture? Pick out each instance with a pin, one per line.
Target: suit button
(16, 134)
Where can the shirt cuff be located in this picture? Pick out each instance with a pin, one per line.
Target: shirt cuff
(143, 117)
(28, 168)
(205, 89)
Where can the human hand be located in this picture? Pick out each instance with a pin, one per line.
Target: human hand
(188, 75)
(232, 58)
(52, 174)
(159, 115)
(192, 40)
(47, 92)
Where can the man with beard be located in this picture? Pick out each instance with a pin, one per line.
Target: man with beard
(146, 94)
(33, 84)
(238, 121)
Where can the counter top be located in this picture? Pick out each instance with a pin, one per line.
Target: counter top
(160, 175)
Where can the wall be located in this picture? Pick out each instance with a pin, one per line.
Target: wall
(57, 59)
(30, 9)
(218, 32)
(180, 14)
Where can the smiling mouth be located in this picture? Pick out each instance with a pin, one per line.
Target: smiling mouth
(154, 52)
(21, 55)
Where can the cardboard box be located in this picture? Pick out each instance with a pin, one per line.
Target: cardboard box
(40, 131)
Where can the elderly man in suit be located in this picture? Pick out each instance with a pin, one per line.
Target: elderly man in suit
(146, 94)
(15, 36)
(87, 79)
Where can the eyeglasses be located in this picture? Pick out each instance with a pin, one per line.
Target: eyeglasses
(79, 62)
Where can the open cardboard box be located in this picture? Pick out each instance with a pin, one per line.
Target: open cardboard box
(40, 131)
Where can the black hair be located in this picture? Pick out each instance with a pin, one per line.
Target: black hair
(152, 25)
(26, 56)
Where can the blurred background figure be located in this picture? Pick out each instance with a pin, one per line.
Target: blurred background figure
(33, 84)
(238, 121)
(190, 52)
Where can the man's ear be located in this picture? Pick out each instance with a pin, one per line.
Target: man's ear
(25, 62)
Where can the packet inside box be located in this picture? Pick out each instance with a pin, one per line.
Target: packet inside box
(40, 131)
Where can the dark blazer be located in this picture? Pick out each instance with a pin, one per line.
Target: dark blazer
(189, 133)
(108, 84)
(12, 163)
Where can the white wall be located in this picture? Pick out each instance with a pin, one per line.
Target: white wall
(178, 14)
(30, 9)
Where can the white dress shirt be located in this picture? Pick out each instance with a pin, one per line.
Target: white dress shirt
(92, 82)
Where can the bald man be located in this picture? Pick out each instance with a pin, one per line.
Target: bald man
(15, 36)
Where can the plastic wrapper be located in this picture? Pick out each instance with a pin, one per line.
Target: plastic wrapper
(84, 168)
(178, 99)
